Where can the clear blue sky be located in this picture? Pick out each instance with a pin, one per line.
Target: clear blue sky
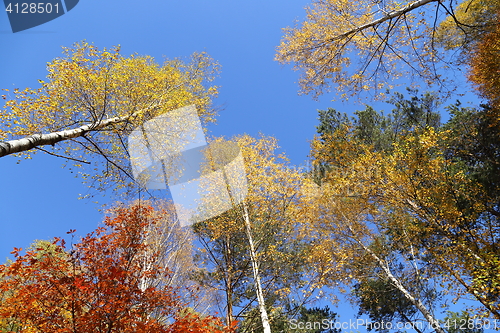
(38, 199)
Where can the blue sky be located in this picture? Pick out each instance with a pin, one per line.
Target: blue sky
(38, 198)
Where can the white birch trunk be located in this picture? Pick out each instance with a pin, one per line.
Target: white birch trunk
(415, 301)
(255, 268)
(408, 8)
(36, 140)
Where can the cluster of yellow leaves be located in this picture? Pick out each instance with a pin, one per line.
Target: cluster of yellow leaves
(338, 46)
(268, 179)
(88, 86)
(410, 200)
(470, 19)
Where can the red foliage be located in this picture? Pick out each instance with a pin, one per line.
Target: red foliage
(100, 285)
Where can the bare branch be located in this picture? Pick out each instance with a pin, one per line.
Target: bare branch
(66, 157)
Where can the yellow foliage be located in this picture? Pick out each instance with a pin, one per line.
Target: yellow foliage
(398, 203)
(89, 86)
(471, 18)
(354, 46)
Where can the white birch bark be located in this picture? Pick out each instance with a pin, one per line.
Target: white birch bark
(415, 301)
(396, 13)
(255, 268)
(395, 281)
(36, 140)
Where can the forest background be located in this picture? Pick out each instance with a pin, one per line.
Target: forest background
(256, 94)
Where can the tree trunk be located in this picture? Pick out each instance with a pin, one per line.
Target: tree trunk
(229, 284)
(256, 276)
(36, 140)
(388, 16)
(418, 303)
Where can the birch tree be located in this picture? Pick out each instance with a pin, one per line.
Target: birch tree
(92, 99)
(255, 247)
(171, 248)
(366, 45)
(427, 199)
(364, 240)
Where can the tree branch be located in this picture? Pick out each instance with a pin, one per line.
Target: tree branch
(389, 16)
(35, 140)
(57, 155)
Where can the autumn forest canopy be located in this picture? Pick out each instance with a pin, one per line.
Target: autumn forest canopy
(398, 210)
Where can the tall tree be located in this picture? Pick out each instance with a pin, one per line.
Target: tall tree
(270, 216)
(366, 45)
(477, 38)
(92, 99)
(485, 65)
(362, 241)
(429, 198)
(172, 248)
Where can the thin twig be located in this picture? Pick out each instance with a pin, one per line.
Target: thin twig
(66, 157)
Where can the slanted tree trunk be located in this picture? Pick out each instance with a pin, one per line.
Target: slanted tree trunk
(37, 140)
(255, 268)
(397, 283)
(397, 13)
